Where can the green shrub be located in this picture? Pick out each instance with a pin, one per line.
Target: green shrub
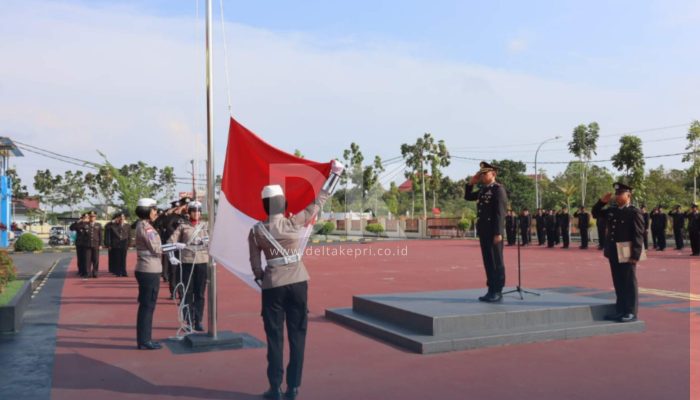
(374, 228)
(324, 228)
(8, 272)
(463, 224)
(28, 242)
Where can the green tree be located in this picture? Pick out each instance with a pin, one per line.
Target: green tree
(583, 145)
(630, 158)
(19, 191)
(71, 190)
(101, 186)
(599, 180)
(665, 187)
(421, 155)
(353, 165)
(46, 185)
(519, 187)
(693, 145)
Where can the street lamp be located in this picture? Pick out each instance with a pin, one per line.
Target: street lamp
(537, 188)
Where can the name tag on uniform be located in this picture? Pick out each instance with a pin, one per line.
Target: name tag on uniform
(624, 252)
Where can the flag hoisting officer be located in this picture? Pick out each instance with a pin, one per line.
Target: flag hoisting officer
(491, 201)
(284, 281)
(625, 227)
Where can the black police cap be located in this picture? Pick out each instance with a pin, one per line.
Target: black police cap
(621, 187)
(486, 167)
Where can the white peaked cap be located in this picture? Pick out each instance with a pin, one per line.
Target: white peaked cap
(194, 204)
(146, 202)
(272, 191)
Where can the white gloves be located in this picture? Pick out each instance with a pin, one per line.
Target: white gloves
(337, 167)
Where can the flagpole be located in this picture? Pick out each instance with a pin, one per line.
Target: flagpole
(210, 170)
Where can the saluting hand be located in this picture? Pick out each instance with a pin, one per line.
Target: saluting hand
(606, 197)
(475, 179)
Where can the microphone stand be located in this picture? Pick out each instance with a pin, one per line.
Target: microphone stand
(519, 289)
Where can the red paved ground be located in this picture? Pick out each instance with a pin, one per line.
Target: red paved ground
(96, 356)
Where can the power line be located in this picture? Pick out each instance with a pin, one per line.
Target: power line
(573, 161)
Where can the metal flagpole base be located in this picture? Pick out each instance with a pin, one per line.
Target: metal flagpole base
(223, 339)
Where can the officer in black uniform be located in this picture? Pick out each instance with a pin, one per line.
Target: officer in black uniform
(661, 223)
(80, 229)
(624, 224)
(584, 221)
(93, 244)
(678, 219)
(491, 211)
(525, 223)
(551, 225)
(693, 217)
(511, 226)
(563, 222)
(117, 240)
(540, 226)
(645, 214)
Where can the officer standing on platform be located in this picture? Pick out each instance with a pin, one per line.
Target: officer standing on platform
(511, 226)
(584, 221)
(624, 224)
(693, 217)
(117, 240)
(540, 226)
(563, 222)
(80, 229)
(491, 210)
(645, 214)
(678, 219)
(525, 223)
(284, 281)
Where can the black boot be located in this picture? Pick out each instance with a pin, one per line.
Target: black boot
(273, 393)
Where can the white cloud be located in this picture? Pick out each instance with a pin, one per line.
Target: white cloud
(517, 45)
(77, 79)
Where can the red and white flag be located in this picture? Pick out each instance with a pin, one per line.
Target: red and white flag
(250, 165)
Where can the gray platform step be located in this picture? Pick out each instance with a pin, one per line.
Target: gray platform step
(432, 322)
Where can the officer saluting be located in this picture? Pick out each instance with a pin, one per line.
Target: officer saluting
(491, 210)
(284, 281)
(625, 227)
(584, 220)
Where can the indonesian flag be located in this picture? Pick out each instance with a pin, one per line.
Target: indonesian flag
(250, 165)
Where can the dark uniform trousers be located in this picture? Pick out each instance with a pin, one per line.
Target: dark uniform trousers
(565, 236)
(694, 241)
(80, 253)
(625, 282)
(678, 236)
(541, 236)
(584, 237)
(117, 260)
(661, 238)
(511, 226)
(600, 226)
(149, 284)
(288, 303)
(492, 255)
(195, 281)
(91, 259)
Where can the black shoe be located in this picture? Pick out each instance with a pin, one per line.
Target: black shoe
(291, 393)
(494, 297)
(149, 346)
(273, 393)
(94, 275)
(627, 318)
(198, 327)
(486, 296)
(613, 317)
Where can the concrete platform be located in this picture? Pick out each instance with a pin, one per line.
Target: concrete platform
(435, 322)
